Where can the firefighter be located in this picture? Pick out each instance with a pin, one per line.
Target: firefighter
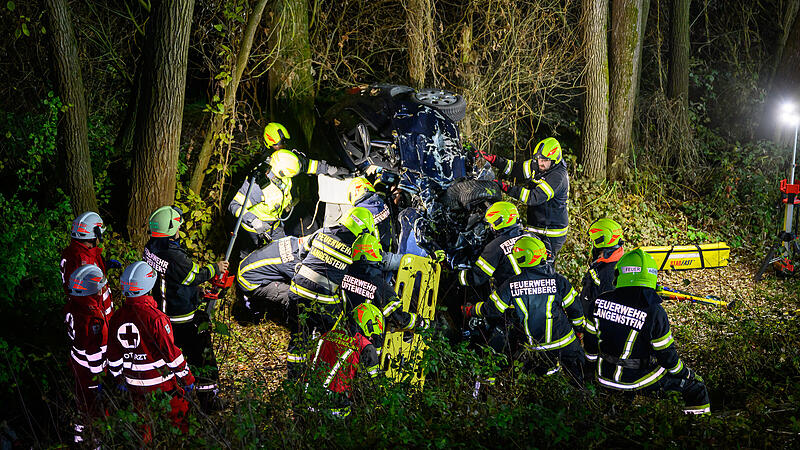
(361, 192)
(545, 317)
(87, 329)
(607, 248)
(364, 283)
(496, 260)
(343, 353)
(546, 194)
(142, 354)
(629, 331)
(87, 233)
(264, 275)
(178, 295)
(270, 200)
(314, 290)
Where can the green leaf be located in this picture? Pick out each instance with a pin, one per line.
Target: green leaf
(218, 27)
(11, 6)
(25, 30)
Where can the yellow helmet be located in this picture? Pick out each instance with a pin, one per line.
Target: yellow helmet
(284, 163)
(548, 149)
(275, 134)
(358, 188)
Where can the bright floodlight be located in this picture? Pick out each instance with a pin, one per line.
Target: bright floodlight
(791, 119)
(789, 114)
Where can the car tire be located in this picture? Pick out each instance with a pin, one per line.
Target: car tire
(465, 193)
(451, 104)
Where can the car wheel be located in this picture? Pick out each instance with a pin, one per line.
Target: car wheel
(452, 105)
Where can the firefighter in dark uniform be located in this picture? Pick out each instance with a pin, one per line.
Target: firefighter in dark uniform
(264, 275)
(607, 248)
(546, 314)
(364, 283)
(629, 331)
(178, 295)
(344, 353)
(271, 199)
(314, 290)
(496, 260)
(361, 192)
(546, 194)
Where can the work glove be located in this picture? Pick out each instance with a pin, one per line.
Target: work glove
(113, 264)
(423, 324)
(189, 388)
(122, 388)
(256, 224)
(482, 154)
(503, 185)
(468, 310)
(692, 375)
(337, 172)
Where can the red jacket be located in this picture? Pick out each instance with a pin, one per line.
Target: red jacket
(75, 255)
(87, 328)
(338, 358)
(142, 348)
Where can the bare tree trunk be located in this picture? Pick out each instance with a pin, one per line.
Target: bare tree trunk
(469, 77)
(290, 78)
(73, 132)
(595, 112)
(642, 30)
(678, 86)
(421, 45)
(229, 102)
(788, 19)
(626, 48)
(160, 113)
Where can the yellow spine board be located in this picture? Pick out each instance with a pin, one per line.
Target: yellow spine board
(418, 288)
(685, 257)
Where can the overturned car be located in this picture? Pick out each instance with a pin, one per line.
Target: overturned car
(410, 139)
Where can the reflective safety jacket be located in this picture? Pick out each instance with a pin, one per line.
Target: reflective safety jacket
(630, 333)
(383, 223)
(75, 255)
(329, 256)
(495, 261)
(338, 357)
(364, 283)
(87, 329)
(542, 300)
(598, 279)
(274, 262)
(546, 195)
(178, 277)
(141, 348)
(266, 204)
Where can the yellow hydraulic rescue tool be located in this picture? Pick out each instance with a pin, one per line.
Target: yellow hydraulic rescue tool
(417, 287)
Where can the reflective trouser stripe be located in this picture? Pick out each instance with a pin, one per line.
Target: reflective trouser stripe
(549, 232)
(184, 318)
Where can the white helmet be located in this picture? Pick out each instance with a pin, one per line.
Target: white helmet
(88, 225)
(138, 279)
(86, 280)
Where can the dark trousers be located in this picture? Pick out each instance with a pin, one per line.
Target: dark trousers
(198, 350)
(271, 299)
(693, 392)
(307, 320)
(553, 245)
